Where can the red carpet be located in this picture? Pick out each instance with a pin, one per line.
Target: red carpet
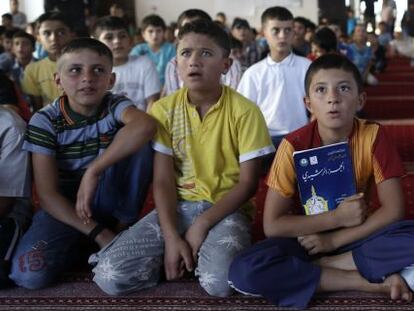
(79, 294)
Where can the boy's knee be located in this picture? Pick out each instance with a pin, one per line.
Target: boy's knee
(241, 276)
(31, 280)
(110, 287)
(220, 288)
(116, 287)
(124, 278)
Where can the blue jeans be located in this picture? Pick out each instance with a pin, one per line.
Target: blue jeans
(47, 248)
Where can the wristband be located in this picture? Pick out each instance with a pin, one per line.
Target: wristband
(95, 231)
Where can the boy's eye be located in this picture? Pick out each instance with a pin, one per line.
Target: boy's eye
(61, 33)
(74, 70)
(99, 70)
(206, 53)
(344, 88)
(185, 53)
(319, 89)
(275, 31)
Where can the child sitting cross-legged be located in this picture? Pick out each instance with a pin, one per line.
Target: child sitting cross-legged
(350, 247)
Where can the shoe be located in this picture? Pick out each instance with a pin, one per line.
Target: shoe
(9, 235)
(408, 275)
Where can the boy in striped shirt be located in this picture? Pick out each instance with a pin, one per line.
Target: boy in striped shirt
(91, 162)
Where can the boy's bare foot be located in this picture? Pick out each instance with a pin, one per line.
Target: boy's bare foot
(397, 288)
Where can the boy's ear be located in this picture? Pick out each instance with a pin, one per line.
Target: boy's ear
(56, 77)
(227, 64)
(306, 101)
(362, 98)
(112, 81)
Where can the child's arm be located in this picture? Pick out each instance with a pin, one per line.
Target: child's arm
(391, 198)
(278, 221)
(177, 255)
(138, 129)
(46, 179)
(238, 195)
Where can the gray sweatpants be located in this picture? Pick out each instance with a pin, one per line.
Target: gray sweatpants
(134, 259)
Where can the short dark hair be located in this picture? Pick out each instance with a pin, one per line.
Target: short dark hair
(301, 20)
(240, 23)
(8, 94)
(88, 44)
(332, 61)
(277, 12)
(193, 14)
(211, 30)
(53, 16)
(28, 36)
(10, 33)
(153, 20)
(109, 23)
(235, 43)
(7, 16)
(325, 38)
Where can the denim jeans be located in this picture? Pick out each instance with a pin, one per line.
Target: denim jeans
(48, 247)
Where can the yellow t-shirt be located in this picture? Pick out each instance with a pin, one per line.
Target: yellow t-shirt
(207, 152)
(38, 80)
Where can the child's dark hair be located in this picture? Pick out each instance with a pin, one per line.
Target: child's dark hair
(109, 23)
(53, 16)
(8, 94)
(7, 16)
(153, 20)
(325, 38)
(193, 14)
(277, 12)
(211, 30)
(332, 61)
(235, 43)
(10, 33)
(28, 36)
(87, 44)
(301, 20)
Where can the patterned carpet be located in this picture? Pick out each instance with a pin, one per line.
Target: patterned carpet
(79, 293)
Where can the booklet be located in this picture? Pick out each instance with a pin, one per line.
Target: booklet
(325, 177)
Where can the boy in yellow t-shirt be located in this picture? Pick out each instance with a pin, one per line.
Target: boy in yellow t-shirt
(206, 168)
(38, 79)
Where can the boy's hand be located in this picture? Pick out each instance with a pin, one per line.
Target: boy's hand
(195, 236)
(86, 194)
(177, 258)
(352, 211)
(317, 243)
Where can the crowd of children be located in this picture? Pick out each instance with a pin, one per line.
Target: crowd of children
(196, 118)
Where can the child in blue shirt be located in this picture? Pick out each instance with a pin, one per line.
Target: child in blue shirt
(155, 46)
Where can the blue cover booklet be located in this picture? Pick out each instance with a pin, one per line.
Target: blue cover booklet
(325, 177)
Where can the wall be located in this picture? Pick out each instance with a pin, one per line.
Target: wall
(32, 8)
(249, 9)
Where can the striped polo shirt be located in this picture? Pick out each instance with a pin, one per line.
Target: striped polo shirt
(72, 139)
(374, 157)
